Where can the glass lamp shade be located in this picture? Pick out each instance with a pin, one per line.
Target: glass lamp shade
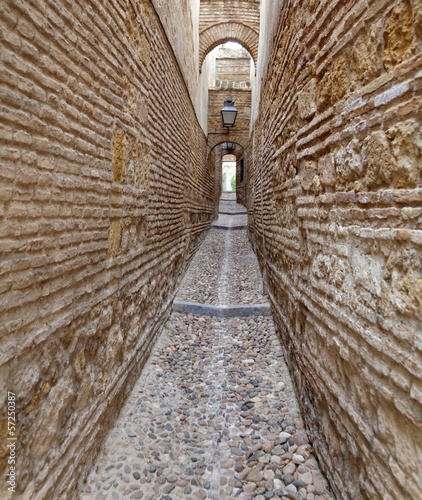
(228, 113)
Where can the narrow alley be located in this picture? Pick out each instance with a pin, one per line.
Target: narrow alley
(214, 413)
(210, 249)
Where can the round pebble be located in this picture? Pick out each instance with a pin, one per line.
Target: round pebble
(218, 416)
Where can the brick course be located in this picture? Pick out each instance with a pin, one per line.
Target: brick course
(105, 194)
(106, 190)
(334, 181)
(239, 134)
(229, 20)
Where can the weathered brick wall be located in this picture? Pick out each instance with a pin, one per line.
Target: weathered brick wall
(240, 132)
(241, 195)
(214, 167)
(218, 11)
(336, 190)
(180, 20)
(105, 193)
(235, 70)
(223, 20)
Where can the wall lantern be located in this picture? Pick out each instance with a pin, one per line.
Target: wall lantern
(228, 113)
(229, 145)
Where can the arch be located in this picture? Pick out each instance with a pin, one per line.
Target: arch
(214, 141)
(224, 32)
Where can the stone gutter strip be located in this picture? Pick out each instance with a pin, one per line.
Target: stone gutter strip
(232, 311)
(229, 227)
(233, 213)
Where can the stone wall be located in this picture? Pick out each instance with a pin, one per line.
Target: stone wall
(335, 192)
(105, 193)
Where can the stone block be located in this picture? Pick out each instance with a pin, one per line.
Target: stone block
(398, 33)
(306, 100)
(362, 151)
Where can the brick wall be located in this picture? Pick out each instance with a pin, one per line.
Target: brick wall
(105, 193)
(180, 21)
(235, 70)
(215, 159)
(335, 191)
(239, 134)
(217, 11)
(224, 20)
(241, 168)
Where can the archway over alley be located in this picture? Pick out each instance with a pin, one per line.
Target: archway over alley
(110, 182)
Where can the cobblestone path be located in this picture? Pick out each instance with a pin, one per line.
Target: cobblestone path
(214, 414)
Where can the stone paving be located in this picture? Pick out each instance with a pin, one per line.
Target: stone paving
(231, 214)
(232, 250)
(214, 413)
(228, 220)
(228, 205)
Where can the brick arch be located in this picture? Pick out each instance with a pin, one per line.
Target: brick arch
(221, 138)
(224, 32)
